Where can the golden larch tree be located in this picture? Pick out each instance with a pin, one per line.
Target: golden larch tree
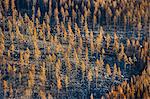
(108, 70)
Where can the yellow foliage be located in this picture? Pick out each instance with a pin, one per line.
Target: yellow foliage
(115, 69)
(59, 86)
(108, 70)
(90, 74)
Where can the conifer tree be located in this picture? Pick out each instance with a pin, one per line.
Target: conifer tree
(115, 70)
(6, 4)
(20, 77)
(38, 13)
(50, 96)
(66, 81)
(108, 70)
(5, 86)
(42, 94)
(21, 58)
(119, 72)
(59, 85)
(10, 26)
(116, 43)
(99, 39)
(76, 59)
(89, 76)
(43, 74)
(58, 67)
(11, 90)
(83, 68)
(108, 40)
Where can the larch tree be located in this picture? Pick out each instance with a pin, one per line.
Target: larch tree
(27, 56)
(58, 68)
(137, 43)
(82, 19)
(37, 22)
(2, 44)
(120, 90)
(31, 79)
(12, 5)
(86, 31)
(108, 40)
(42, 94)
(116, 43)
(66, 81)
(20, 77)
(59, 85)
(80, 42)
(121, 53)
(85, 14)
(18, 34)
(76, 59)
(83, 68)
(94, 20)
(78, 32)
(11, 90)
(119, 72)
(108, 70)
(115, 20)
(8, 54)
(115, 70)
(139, 26)
(66, 14)
(12, 36)
(9, 68)
(97, 70)
(56, 14)
(12, 47)
(50, 96)
(89, 76)
(89, 4)
(64, 31)
(103, 51)
(21, 58)
(91, 42)
(5, 86)
(27, 93)
(109, 14)
(133, 42)
(10, 26)
(37, 52)
(68, 63)
(122, 48)
(125, 58)
(50, 8)
(73, 14)
(42, 75)
(41, 34)
(146, 46)
(86, 55)
(99, 39)
(130, 60)
(38, 13)
(6, 4)
(101, 63)
(32, 68)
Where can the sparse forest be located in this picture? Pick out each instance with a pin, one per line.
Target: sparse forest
(74, 49)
